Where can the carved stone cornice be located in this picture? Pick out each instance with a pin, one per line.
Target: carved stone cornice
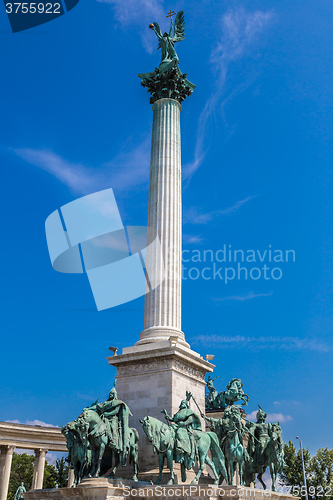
(174, 357)
(31, 437)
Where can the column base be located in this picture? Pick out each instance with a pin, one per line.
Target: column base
(161, 334)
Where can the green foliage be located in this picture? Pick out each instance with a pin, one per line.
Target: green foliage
(319, 472)
(23, 468)
(62, 469)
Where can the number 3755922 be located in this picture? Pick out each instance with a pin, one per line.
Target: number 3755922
(33, 8)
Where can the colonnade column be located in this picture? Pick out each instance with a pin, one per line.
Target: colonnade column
(5, 466)
(38, 476)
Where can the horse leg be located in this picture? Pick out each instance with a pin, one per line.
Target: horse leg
(227, 465)
(240, 471)
(116, 461)
(160, 463)
(169, 456)
(212, 466)
(183, 472)
(231, 478)
(202, 460)
(134, 456)
(273, 475)
(100, 456)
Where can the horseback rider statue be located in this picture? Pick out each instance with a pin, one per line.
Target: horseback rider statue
(220, 400)
(184, 422)
(265, 447)
(115, 414)
(258, 438)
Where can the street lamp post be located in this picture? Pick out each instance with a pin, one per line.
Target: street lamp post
(303, 467)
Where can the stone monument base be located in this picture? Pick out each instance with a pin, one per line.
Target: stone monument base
(110, 489)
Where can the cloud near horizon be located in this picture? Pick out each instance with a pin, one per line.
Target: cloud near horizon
(271, 417)
(263, 343)
(36, 422)
(242, 298)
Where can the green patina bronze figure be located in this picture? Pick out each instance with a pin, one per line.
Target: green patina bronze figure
(230, 431)
(100, 439)
(19, 492)
(115, 414)
(265, 447)
(167, 81)
(219, 400)
(184, 442)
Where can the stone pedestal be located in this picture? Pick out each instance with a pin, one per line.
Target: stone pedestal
(153, 377)
(107, 489)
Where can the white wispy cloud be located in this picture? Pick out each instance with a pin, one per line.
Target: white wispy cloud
(271, 417)
(242, 298)
(195, 215)
(32, 422)
(125, 172)
(138, 13)
(192, 238)
(239, 29)
(261, 343)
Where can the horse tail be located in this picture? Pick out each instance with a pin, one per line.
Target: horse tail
(136, 434)
(217, 455)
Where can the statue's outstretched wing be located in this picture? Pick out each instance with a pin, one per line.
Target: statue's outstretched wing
(179, 27)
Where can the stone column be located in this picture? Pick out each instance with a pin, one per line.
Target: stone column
(5, 466)
(70, 478)
(162, 316)
(38, 476)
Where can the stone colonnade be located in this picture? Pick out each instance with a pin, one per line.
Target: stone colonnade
(32, 437)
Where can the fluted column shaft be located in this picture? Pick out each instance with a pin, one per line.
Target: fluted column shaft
(5, 466)
(162, 317)
(38, 475)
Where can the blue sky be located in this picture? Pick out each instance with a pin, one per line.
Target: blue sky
(257, 162)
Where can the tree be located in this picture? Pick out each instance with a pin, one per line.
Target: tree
(318, 469)
(23, 469)
(62, 469)
(322, 473)
(292, 474)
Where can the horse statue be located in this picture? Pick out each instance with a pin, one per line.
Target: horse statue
(234, 451)
(105, 455)
(272, 457)
(79, 453)
(233, 394)
(220, 400)
(163, 439)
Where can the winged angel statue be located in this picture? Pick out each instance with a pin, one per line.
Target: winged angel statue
(167, 80)
(167, 41)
